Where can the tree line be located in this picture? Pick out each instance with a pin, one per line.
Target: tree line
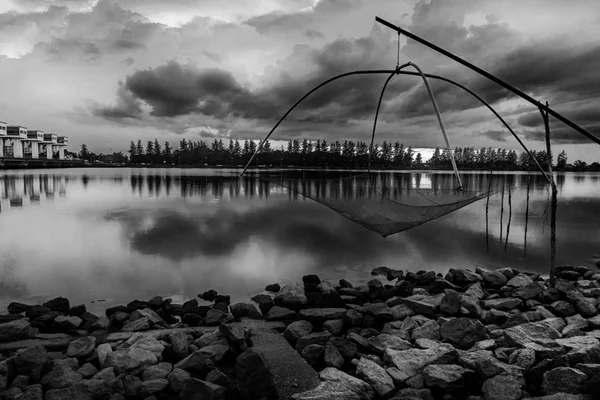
(334, 154)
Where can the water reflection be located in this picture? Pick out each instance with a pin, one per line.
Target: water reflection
(117, 234)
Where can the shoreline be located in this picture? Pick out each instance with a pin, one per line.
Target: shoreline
(473, 335)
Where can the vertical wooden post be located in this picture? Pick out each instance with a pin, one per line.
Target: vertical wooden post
(509, 219)
(554, 200)
(487, 207)
(526, 215)
(502, 208)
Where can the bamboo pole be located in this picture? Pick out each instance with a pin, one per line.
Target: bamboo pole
(487, 208)
(502, 208)
(509, 219)
(526, 215)
(554, 200)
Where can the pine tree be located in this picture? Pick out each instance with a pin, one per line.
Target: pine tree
(230, 148)
(132, 150)
(149, 148)
(183, 145)
(167, 152)
(139, 149)
(561, 163)
(237, 149)
(157, 150)
(266, 146)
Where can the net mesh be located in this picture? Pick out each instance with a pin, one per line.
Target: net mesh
(380, 204)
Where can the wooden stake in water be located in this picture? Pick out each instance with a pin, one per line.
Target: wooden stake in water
(487, 207)
(554, 201)
(502, 208)
(526, 215)
(509, 218)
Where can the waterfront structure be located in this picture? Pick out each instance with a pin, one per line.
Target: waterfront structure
(31, 145)
(13, 143)
(47, 146)
(62, 143)
(3, 127)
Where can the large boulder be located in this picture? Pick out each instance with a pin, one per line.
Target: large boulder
(505, 386)
(320, 315)
(530, 332)
(296, 330)
(563, 379)
(14, 330)
(409, 363)
(130, 359)
(375, 375)
(292, 297)
(31, 362)
(255, 380)
(493, 278)
(198, 361)
(82, 347)
(60, 304)
(248, 310)
(196, 389)
(462, 332)
(445, 377)
(338, 385)
(60, 377)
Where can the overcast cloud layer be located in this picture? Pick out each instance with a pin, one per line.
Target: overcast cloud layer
(106, 72)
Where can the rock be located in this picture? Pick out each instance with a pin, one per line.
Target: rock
(158, 371)
(320, 315)
(464, 277)
(519, 281)
(138, 325)
(562, 308)
(18, 308)
(103, 351)
(462, 332)
(420, 307)
(197, 361)
(319, 338)
(102, 323)
(60, 304)
(196, 389)
(507, 303)
(391, 342)
(36, 311)
(87, 371)
(337, 385)
(235, 335)
(346, 348)
(426, 278)
(332, 356)
(413, 394)
(485, 364)
(179, 341)
(313, 354)
(248, 310)
(493, 278)
(292, 297)
(21, 382)
(577, 342)
(335, 327)
(29, 361)
(429, 330)
(177, 379)
(133, 385)
(531, 291)
(375, 376)
(277, 313)
(584, 305)
(67, 323)
(589, 369)
(531, 332)
(255, 380)
(217, 377)
(273, 288)
(296, 330)
(82, 347)
(130, 359)
(148, 313)
(563, 379)
(451, 302)
(504, 386)
(446, 377)
(14, 330)
(409, 363)
(153, 386)
(209, 295)
(523, 358)
(60, 377)
(33, 392)
(265, 302)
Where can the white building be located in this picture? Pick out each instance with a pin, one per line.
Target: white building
(13, 142)
(3, 127)
(47, 146)
(63, 142)
(31, 145)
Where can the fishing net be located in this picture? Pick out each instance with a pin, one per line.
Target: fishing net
(377, 202)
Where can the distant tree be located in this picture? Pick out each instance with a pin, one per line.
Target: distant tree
(183, 145)
(304, 146)
(290, 146)
(324, 146)
(149, 148)
(419, 160)
(84, 153)
(230, 148)
(561, 163)
(246, 149)
(132, 150)
(318, 146)
(296, 146)
(266, 146)
(168, 151)
(237, 149)
(139, 148)
(435, 160)
(157, 149)
(579, 165)
(252, 147)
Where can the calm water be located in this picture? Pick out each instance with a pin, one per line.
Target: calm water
(120, 234)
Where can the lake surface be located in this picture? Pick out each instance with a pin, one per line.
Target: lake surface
(119, 234)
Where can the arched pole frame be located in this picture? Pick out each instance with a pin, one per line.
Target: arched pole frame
(390, 72)
(491, 77)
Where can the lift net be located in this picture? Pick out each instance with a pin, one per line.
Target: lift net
(371, 201)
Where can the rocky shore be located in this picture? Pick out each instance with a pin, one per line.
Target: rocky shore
(493, 335)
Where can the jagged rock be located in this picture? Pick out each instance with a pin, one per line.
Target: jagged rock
(519, 281)
(584, 305)
(217, 377)
(426, 278)
(208, 338)
(320, 315)
(485, 364)
(358, 339)
(332, 356)
(429, 330)
(60, 304)
(451, 302)
(335, 327)
(87, 371)
(530, 332)
(148, 313)
(563, 379)
(177, 379)
(153, 386)
(196, 389)
(235, 335)
(265, 302)
(296, 330)
(130, 359)
(504, 386)
(577, 342)
(29, 361)
(508, 303)
(67, 362)
(391, 342)
(133, 385)
(375, 376)
(464, 277)
(33, 392)
(18, 308)
(60, 377)
(248, 310)
(36, 311)
(413, 394)
(337, 385)
(179, 341)
(103, 351)
(462, 332)
(292, 297)
(531, 291)
(562, 308)
(158, 371)
(446, 377)
(138, 325)
(409, 363)
(197, 361)
(277, 313)
(523, 358)
(589, 369)
(273, 288)
(67, 323)
(346, 348)
(255, 380)
(102, 323)
(493, 278)
(319, 338)
(14, 330)
(313, 354)
(82, 347)
(21, 382)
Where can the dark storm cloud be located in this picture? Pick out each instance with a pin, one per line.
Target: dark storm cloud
(128, 106)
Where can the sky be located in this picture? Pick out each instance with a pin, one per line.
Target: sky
(105, 72)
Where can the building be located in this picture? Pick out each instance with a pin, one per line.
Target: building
(63, 142)
(47, 148)
(3, 127)
(31, 145)
(13, 142)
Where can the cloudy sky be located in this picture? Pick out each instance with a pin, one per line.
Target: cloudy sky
(105, 72)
